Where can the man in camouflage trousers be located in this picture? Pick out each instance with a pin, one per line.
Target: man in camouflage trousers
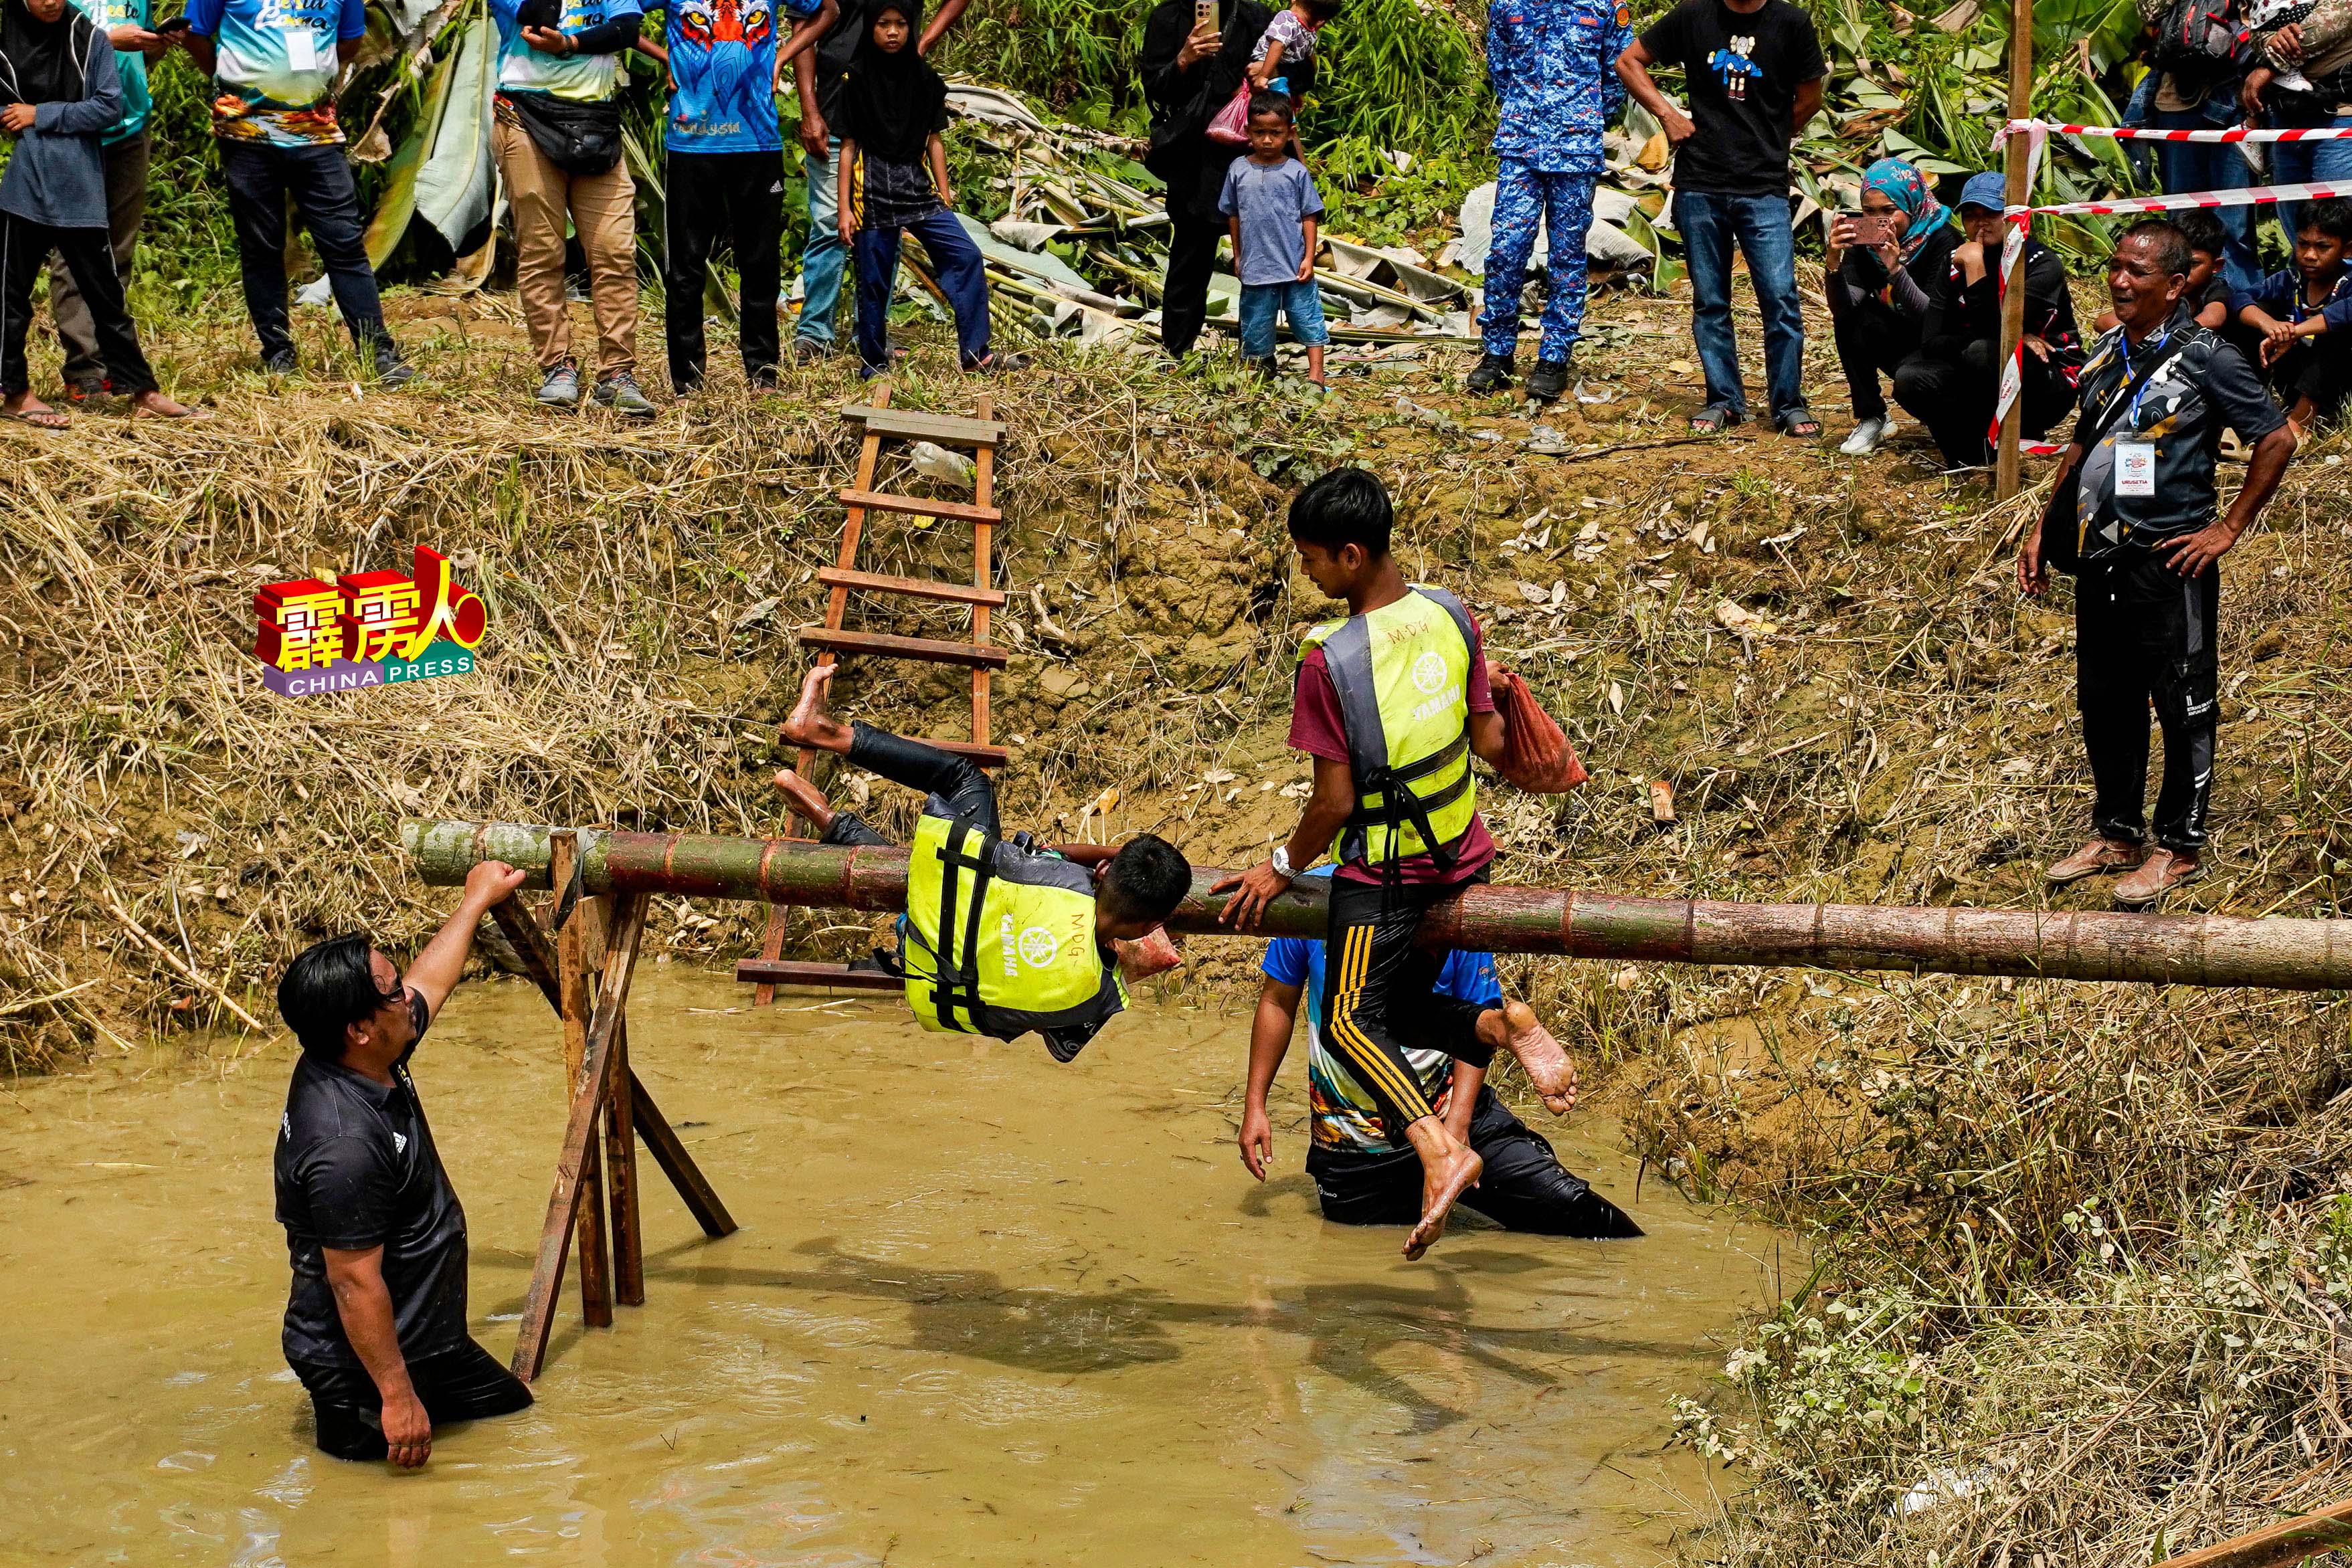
(1552, 64)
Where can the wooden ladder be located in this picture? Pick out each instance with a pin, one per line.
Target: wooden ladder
(832, 640)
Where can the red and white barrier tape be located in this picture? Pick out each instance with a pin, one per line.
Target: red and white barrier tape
(2244, 195)
(2141, 133)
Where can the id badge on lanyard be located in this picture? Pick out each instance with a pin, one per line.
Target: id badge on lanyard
(2136, 459)
(301, 47)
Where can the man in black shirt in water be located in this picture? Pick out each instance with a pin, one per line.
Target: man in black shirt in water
(376, 1322)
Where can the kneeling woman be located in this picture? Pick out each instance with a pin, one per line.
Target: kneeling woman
(1882, 278)
(894, 106)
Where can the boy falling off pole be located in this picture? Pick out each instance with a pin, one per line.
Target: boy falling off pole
(999, 937)
(1391, 703)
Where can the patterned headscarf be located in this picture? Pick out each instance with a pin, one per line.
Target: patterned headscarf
(1908, 189)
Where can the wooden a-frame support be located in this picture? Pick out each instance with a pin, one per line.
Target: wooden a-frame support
(602, 1082)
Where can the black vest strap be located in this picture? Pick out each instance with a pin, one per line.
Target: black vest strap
(957, 983)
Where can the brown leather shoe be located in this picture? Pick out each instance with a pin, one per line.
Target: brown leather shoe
(2095, 859)
(2159, 875)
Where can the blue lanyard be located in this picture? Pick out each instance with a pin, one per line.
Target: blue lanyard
(2154, 354)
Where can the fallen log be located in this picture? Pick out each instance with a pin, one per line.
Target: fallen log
(2175, 949)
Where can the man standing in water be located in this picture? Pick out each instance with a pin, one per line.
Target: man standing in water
(375, 1323)
(1392, 703)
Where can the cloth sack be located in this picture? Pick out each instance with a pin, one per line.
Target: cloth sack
(1536, 753)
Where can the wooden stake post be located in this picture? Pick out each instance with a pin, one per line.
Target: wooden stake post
(2018, 193)
(600, 1082)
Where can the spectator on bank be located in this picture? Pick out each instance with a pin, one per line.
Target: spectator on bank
(2210, 293)
(557, 138)
(273, 73)
(1271, 202)
(1880, 278)
(1953, 382)
(124, 146)
(58, 73)
(1753, 70)
(723, 177)
(2296, 324)
(1552, 67)
(2319, 49)
(2135, 514)
(817, 76)
(1189, 74)
(2194, 92)
(894, 107)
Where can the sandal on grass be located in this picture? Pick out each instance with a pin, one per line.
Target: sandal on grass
(1801, 426)
(38, 418)
(1712, 420)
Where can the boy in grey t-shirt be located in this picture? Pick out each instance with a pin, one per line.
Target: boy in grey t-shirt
(1271, 208)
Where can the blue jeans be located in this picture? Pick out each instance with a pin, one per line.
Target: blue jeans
(1709, 224)
(2188, 166)
(1302, 303)
(1563, 203)
(823, 256)
(260, 177)
(957, 268)
(2310, 162)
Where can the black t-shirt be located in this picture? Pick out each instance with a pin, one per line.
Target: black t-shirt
(833, 54)
(1742, 71)
(2179, 390)
(356, 1168)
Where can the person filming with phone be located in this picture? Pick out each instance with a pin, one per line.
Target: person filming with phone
(1886, 260)
(1194, 56)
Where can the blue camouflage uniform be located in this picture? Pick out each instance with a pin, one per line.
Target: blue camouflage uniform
(1553, 67)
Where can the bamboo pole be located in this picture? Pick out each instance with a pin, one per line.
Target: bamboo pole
(2013, 299)
(2328, 1529)
(2178, 949)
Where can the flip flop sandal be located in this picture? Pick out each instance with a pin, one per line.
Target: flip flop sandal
(1801, 427)
(187, 412)
(46, 419)
(1713, 420)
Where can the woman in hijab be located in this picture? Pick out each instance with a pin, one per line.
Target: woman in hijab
(58, 83)
(1882, 270)
(894, 106)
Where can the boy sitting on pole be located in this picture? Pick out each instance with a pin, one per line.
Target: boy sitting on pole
(1391, 703)
(1000, 937)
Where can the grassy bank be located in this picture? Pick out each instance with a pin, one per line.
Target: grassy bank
(2081, 1248)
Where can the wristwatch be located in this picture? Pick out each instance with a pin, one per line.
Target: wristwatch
(1281, 862)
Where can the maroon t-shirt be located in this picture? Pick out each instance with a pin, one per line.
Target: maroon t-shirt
(1316, 729)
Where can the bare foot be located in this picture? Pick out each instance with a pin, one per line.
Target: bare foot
(807, 799)
(1545, 1065)
(24, 406)
(1441, 1185)
(155, 405)
(810, 724)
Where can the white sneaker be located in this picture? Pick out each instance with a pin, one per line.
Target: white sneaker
(1866, 436)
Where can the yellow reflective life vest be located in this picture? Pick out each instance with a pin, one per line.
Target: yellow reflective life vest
(1000, 939)
(1403, 672)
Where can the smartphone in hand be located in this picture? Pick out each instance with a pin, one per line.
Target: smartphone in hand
(1205, 13)
(172, 29)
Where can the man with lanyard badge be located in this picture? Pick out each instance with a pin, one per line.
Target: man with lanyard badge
(2136, 507)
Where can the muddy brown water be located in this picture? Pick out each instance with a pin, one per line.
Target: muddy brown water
(983, 1310)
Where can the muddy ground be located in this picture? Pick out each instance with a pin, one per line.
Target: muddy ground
(1825, 659)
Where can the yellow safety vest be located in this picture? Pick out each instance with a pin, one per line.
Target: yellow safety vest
(1402, 674)
(1000, 939)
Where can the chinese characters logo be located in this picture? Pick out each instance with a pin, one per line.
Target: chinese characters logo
(368, 628)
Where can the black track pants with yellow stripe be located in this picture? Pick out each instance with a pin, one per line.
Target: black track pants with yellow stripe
(1380, 997)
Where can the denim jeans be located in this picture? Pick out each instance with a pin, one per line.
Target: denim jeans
(823, 256)
(1709, 224)
(1302, 303)
(957, 266)
(2309, 164)
(260, 177)
(2187, 166)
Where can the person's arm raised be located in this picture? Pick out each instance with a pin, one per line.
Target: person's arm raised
(435, 972)
(1270, 1030)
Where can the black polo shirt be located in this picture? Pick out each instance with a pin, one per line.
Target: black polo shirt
(2177, 392)
(356, 1168)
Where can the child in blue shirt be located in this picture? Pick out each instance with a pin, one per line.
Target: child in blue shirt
(2296, 324)
(1271, 209)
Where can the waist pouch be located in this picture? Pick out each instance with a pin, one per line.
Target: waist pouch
(577, 138)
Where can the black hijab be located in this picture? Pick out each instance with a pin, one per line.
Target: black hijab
(41, 53)
(892, 101)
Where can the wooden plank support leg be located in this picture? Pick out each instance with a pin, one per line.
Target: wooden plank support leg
(574, 956)
(565, 1202)
(983, 494)
(621, 1176)
(529, 939)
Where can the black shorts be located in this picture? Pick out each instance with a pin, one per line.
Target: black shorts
(1524, 1186)
(463, 1384)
